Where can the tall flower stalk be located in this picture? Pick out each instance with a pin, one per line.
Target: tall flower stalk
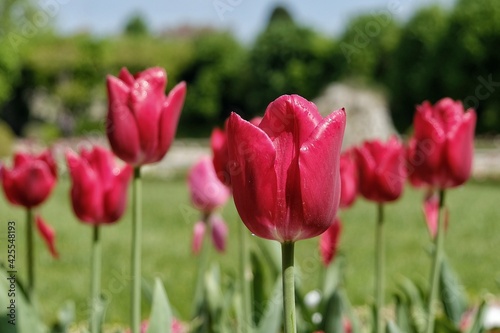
(135, 312)
(95, 284)
(30, 255)
(436, 265)
(379, 269)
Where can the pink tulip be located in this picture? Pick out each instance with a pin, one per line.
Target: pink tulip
(31, 179)
(175, 327)
(285, 178)
(348, 178)
(329, 242)
(442, 147)
(431, 213)
(48, 235)
(207, 192)
(381, 170)
(198, 236)
(99, 188)
(142, 121)
(219, 232)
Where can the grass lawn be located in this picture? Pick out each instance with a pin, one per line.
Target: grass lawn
(472, 244)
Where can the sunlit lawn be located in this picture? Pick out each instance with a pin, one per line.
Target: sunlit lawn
(472, 244)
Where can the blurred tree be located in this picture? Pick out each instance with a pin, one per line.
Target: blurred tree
(414, 72)
(214, 81)
(280, 15)
(470, 62)
(366, 47)
(136, 26)
(286, 59)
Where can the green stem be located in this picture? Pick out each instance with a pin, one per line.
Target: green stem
(30, 254)
(95, 283)
(379, 269)
(245, 279)
(136, 252)
(287, 254)
(202, 268)
(436, 267)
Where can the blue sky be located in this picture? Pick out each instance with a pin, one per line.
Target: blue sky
(244, 17)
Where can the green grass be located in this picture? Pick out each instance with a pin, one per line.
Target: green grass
(472, 243)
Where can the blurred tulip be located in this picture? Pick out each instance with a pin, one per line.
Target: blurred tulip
(442, 147)
(31, 179)
(207, 192)
(219, 232)
(286, 181)
(198, 236)
(381, 170)
(99, 186)
(175, 327)
(142, 121)
(48, 235)
(329, 242)
(431, 213)
(348, 178)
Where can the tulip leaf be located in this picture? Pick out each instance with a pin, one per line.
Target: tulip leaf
(332, 315)
(273, 314)
(451, 293)
(161, 313)
(477, 325)
(65, 318)
(272, 253)
(333, 277)
(393, 328)
(351, 314)
(403, 316)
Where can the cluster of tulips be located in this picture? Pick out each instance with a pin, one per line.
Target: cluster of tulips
(285, 171)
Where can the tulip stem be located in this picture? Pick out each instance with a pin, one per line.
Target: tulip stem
(379, 269)
(30, 254)
(136, 252)
(95, 283)
(287, 255)
(436, 267)
(245, 279)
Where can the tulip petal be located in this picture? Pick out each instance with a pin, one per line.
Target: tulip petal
(319, 164)
(146, 100)
(34, 183)
(348, 179)
(115, 197)
(329, 242)
(86, 191)
(218, 143)
(48, 235)
(126, 77)
(9, 187)
(391, 173)
(460, 149)
(431, 212)
(171, 111)
(102, 162)
(251, 164)
(121, 126)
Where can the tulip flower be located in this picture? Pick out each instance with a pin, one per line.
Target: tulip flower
(348, 179)
(382, 174)
(99, 195)
(207, 192)
(218, 231)
(329, 242)
(442, 147)
(381, 170)
(142, 121)
(48, 235)
(218, 143)
(31, 179)
(29, 183)
(99, 187)
(431, 213)
(440, 155)
(285, 177)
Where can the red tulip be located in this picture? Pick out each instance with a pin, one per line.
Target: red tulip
(431, 213)
(142, 121)
(329, 242)
(218, 143)
(348, 179)
(285, 178)
(207, 192)
(381, 170)
(99, 189)
(442, 147)
(31, 179)
(48, 234)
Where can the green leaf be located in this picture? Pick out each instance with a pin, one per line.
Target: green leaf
(332, 316)
(161, 314)
(333, 277)
(271, 319)
(451, 293)
(351, 314)
(272, 253)
(393, 328)
(477, 325)
(404, 319)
